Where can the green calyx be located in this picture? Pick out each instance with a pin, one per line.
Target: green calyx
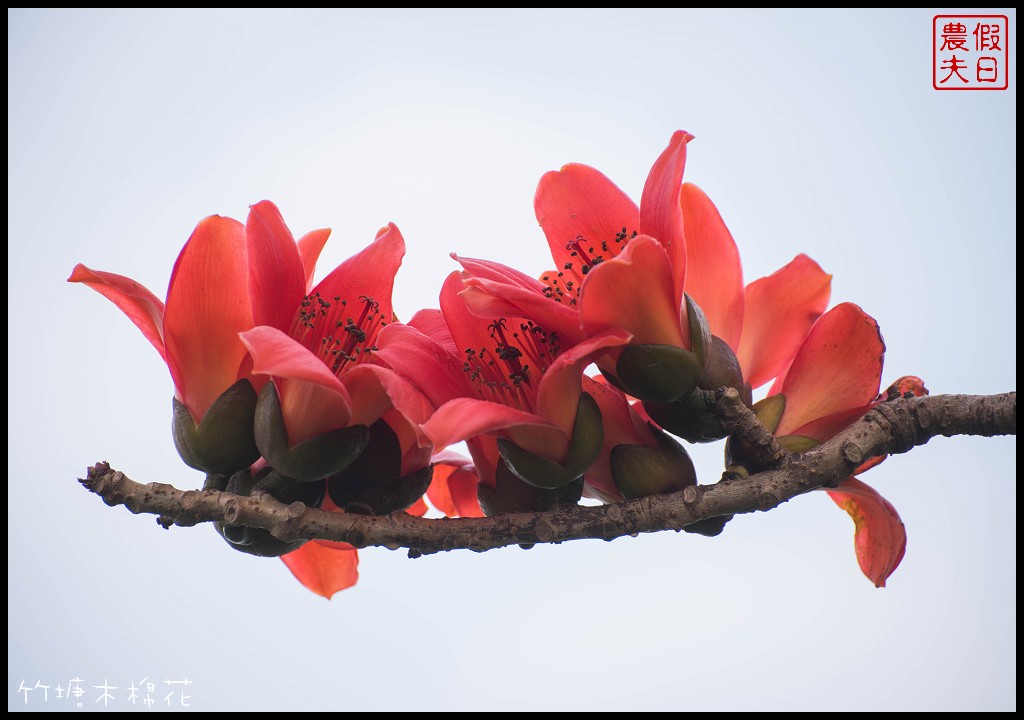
(584, 447)
(510, 494)
(769, 411)
(660, 373)
(690, 417)
(223, 441)
(373, 484)
(316, 458)
(640, 470)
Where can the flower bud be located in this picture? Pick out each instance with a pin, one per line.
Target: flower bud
(690, 417)
(373, 484)
(223, 441)
(584, 447)
(315, 458)
(658, 372)
(641, 470)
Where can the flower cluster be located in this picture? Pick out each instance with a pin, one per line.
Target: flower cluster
(317, 393)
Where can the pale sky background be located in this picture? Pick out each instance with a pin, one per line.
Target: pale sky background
(816, 132)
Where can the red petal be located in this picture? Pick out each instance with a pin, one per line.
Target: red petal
(880, 537)
(310, 246)
(313, 399)
(431, 323)
(463, 418)
(140, 305)
(324, 569)
(494, 290)
(364, 382)
(714, 277)
(580, 201)
(836, 370)
(633, 292)
(661, 214)
(906, 384)
(207, 306)
(369, 273)
(418, 508)
(422, 361)
(779, 311)
(825, 428)
(621, 427)
(277, 280)
(453, 489)
(558, 393)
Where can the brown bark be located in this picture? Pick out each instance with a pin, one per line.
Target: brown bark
(895, 426)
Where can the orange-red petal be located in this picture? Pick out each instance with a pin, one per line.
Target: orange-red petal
(434, 369)
(493, 290)
(579, 201)
(661, 214)
(140, 305)
(369, 273)
(207, 306)
(431, 323)
(880, 538)
(310, 246)
(464, 418)
(313, 399)
(836, 370)
(558, 394)
(277, 280)
(324, 568)
(453, 488)
(634, 292)
(714, 277)
(778, 313)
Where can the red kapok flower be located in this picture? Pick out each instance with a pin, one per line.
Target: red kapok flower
(226, 279)
(619, 278)
(833, 380)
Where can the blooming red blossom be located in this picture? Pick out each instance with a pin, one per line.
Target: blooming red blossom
(833, 380)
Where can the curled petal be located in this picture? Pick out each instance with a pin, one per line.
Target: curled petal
(453, 488)
(559, 391)
(418, 508)
(714, 277)
(207, 306)
(906, 384)
(464, 418)
(493, 290)
(374, 389)
(140, 305)
(837, 369)
(825, 428)
(880, 538)
(277, 280)
(661, 214)
(313, 399)
(370, 273)
(634, 292)
(779, 311)
(579, 201)
(431, 323)
(622, 426)
(310, 246)
(325, 568)
(433, 369)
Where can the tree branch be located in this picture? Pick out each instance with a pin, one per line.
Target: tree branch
(891, 427)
